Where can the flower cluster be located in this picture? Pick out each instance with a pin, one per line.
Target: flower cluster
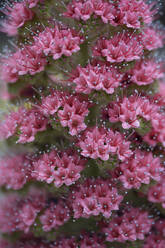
(33, 3)
(151, 38)
(94, 197)
(17, 15)
(154, 240)
(127, 46)
(15, 171)
(31, 59)
(58, 167)
(157, 133)
(25, 123)
(57, 41)
(133, 224)
(23, 61)
(145, 72)
(140, 168)
(55, 216)
(88, 241)
(124, 46)
(129, 109)
(122, 12)
(156, 192)
(71, 110)
(72, 115)
(96, 77)
(157, 236)
(100, 143)
(19, 213)
(87, 133)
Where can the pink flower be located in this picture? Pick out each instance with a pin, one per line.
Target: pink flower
(23, 61)
(145, 72)
(89, 240)
(100, 143)
(156, 193)
(32, 3)
(86, 200)
(9, 72)
(50, 104)
(60, 168)
(132, 225)
(154, 240)
(14, 171)
(121, 47)
(55, 216)
(96, 77)
(57, 41)
(124, 12)
(130, 108)
(73, 114)
(79, 10)
(140, 169)
(18, 213)
(17, 16)
(151, 39)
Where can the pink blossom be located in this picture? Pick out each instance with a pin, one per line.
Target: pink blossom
(145, 72)
(156, 193)
(14, 171)
(151, 39)
(18, 213)
(57, 41)
(88, 241)
(60, 168)
(73, 113)
(96, 77)
(154, 240)
(33, 3)
(66, 242)
(55, 216)
(100, 143)
(132, 225)
(124, 12)
(130, 108)
(121, 47)
(17, 16)
(141, 168)
(86, 200)
(23, 61)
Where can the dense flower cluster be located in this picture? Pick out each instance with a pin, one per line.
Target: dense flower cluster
(58, 167)
(72, 115)
(101, 143)
(15, 171)
(19, 213)
(94, 197)
(25, 123)
(140, 169)
(145, 72)
(129, 109)
(156, 192)
(55, 216)
(121, 12)
(121, 47)
(17, 15)
(32, 58)
(157, 236)
(127, 46)
(133, 224)
(88, 241)
(87, 133)
(96, 77)
(57, 42)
